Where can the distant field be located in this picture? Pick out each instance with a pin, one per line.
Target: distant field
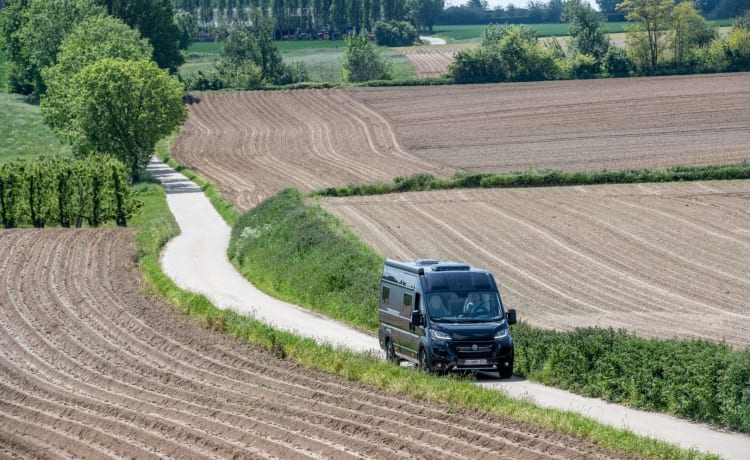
(322, 58)
(474, 32)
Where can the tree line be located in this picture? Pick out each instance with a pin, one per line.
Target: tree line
(311, 18)
(663, 38)
(65, 192)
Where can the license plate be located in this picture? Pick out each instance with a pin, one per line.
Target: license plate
(475, 362)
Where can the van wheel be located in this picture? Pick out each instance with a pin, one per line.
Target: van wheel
(390, 352)
(423, 365)
(506, 372)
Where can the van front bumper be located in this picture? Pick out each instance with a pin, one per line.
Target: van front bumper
(472, 356)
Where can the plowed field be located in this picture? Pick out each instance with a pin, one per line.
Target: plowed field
(430, 62)
(661, 260)
(255, 144)
(572, 125)
(90, 367)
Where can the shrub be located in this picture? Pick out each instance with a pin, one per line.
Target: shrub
(395, 33)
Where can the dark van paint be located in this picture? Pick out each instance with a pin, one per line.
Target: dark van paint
(444, 317)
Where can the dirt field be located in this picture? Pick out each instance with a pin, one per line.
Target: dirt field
(430, 62)
(572, 125)
(255, 144)
(661, 260)
(92, 368)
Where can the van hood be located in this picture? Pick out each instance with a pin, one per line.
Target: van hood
(471, 331)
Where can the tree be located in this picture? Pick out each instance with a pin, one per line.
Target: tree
(424, 13)
(33, 32)
(124, 108)
(652, 17)
(154, 19)
(607, 6)
(587, 31)
(188, 30)
(93, 39)
(690, 31)
(363, 61)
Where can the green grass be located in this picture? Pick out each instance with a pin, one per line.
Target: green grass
(23, 131)
(545, 178)
(157, 227)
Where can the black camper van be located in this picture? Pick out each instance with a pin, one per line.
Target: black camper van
(444, 317)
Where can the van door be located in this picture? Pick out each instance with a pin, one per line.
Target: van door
(410, 337)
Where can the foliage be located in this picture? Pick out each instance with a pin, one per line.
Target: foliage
(694, 379)
(250, 58)
(154, 19)
(689, 32)
(737, 48)
(587, 32)
(299, 253)
(123, 108)
(584, 66)
(395, 33)
(533, 178)
(652, 17)
(95, 38)
(363, 61)
(56, 190)
(187, 27)
(616, 63)
(424, 13)
(508, 53)
(32, 33)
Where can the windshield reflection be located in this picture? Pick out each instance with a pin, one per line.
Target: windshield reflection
(465, 306)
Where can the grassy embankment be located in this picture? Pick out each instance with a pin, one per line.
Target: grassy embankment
(545, 178)
(22, 129)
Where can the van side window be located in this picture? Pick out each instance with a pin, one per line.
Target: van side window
(407, 304)
(386, 295)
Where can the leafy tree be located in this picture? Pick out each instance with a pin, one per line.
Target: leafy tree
(587, 31)
(424, 13)
(524, 59)
(607, 6)
(123, 108)
(251, 59)
(363, 61)
(154, 19)
(188, 29)
(652, 17)
(480, 65)
(478, 4)
(95, 38)
(395, 33)
(33, 32)
(690, 31)
(737, 48)
(616, 63)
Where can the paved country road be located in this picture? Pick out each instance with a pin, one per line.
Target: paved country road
(196, 260)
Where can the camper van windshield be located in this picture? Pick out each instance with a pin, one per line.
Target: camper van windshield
(465, 306)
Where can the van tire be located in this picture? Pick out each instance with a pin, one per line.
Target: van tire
(390, 352)
(423, 365)
(506, 372)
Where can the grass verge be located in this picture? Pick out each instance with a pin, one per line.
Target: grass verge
(546, 178)
(157, 226)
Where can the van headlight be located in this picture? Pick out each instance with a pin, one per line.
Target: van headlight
(501, 334)
(439, 335)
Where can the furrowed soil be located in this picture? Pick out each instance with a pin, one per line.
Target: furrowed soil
(91, 366)
(660, 260)
(430, 62)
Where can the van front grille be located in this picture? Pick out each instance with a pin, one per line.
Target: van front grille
(473, 349)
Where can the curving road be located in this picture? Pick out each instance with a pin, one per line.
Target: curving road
(196, 260)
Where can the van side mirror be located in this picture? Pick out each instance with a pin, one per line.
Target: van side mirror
(511, 315)
(416, 318)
